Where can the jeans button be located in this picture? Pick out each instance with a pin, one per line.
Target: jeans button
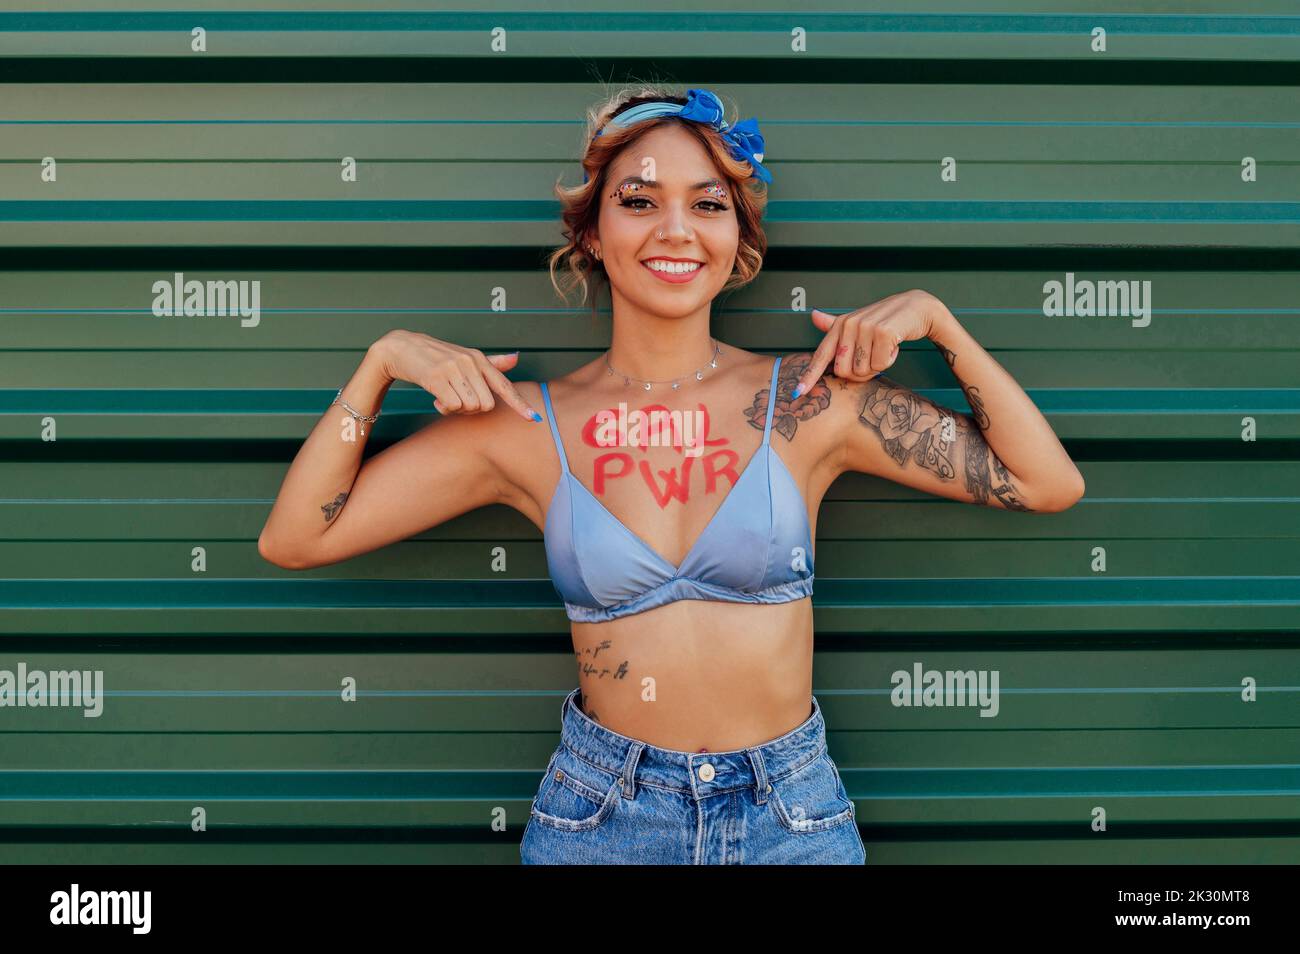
(706, 772)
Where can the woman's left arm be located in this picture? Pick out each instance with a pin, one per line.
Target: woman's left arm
(1002, 454)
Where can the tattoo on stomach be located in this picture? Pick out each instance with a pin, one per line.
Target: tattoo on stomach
(589, 665)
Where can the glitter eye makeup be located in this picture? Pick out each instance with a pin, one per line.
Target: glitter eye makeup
(627, 192)
(626, 189)
(715, 189)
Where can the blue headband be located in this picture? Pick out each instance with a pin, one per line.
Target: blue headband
(744, 141)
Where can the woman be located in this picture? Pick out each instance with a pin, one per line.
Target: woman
(681, 544)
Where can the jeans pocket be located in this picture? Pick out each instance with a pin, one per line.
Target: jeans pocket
(575, 795)
(811, 798)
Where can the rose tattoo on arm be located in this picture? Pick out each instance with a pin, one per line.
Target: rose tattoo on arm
(913, 429)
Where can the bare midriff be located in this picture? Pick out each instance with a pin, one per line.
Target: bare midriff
(698, 675)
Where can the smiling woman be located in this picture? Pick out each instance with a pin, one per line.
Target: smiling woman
(685, 565)
(689, 594)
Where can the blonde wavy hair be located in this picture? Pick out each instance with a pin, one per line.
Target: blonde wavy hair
(572, 266)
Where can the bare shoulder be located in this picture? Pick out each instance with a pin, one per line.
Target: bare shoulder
(801, 427)
(524, 449)
(519, 452)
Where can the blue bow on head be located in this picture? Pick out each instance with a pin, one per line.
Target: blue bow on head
(744, 141)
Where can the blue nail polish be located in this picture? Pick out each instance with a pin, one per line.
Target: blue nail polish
(798, 389)
(536, 416)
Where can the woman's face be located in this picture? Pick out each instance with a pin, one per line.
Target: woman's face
(685, 212)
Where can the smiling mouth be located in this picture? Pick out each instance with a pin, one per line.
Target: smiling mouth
(673, 271)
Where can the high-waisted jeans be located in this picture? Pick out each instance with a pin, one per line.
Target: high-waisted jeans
(610, 799)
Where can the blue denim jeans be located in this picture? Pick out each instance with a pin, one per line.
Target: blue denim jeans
(610, 799)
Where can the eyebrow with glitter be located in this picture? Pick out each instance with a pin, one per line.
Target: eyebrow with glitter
(655, 184)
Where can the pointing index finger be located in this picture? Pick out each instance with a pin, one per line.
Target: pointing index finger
(821, 358)
(503, 386)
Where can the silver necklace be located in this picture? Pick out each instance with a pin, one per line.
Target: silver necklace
(675, 382)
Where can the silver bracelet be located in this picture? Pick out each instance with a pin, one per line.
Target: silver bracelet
(356, 415)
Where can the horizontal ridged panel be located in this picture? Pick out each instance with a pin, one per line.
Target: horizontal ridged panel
(1148, 31)
(1121, 688)
(1038, 166)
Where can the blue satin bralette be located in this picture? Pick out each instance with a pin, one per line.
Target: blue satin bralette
(756, 548)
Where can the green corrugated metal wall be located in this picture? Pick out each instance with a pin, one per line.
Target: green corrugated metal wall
(1121, 689)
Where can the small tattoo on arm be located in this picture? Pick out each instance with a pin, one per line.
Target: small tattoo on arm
(332, 508)
(976, 405)
(1005, 491)
(972, 393)
(985, 472)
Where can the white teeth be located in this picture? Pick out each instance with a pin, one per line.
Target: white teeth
(673, 268)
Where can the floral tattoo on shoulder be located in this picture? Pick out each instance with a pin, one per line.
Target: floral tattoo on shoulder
(789, 410)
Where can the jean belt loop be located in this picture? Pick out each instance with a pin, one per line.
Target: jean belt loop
(629, 768)
(761, 785)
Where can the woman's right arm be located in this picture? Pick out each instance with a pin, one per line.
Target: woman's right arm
(330, 507)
